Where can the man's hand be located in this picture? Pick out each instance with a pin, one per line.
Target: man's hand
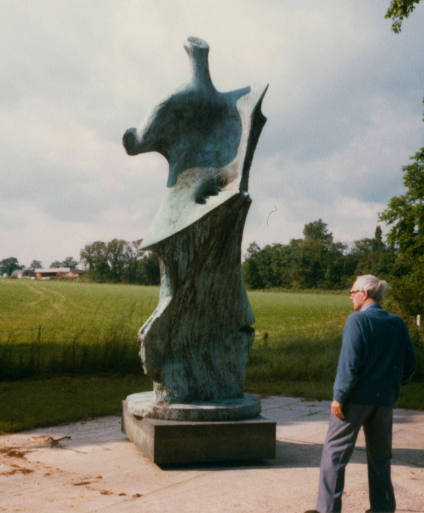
(337, 409)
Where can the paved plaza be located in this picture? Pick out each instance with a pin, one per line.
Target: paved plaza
(91, 467)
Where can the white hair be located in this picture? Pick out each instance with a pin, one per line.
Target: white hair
(372, 285)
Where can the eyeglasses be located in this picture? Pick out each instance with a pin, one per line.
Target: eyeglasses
(353, 291)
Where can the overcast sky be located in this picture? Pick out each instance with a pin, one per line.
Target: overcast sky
(344, 113)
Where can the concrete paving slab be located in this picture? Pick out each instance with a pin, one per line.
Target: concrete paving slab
(91, 467)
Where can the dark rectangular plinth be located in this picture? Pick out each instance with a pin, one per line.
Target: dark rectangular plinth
(169, 442)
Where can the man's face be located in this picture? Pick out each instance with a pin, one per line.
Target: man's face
(358, 298)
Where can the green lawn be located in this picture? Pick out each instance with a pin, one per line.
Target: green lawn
(289, 315)
(60, 399)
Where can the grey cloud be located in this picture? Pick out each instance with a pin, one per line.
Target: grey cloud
(78, 74)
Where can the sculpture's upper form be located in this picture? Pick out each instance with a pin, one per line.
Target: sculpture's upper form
(207, 137)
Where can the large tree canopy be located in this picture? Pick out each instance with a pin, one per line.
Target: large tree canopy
(405, 216)
(120, 261)
(8, 265)
(317, 230)
(405, 213)
(35, 264)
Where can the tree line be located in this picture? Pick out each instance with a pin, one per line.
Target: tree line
(11, 264)
(116, 261)
(316, 261)
(120, 261)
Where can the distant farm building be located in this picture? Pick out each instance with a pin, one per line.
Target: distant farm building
(57, 272)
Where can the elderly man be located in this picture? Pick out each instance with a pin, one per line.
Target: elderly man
(376, 358)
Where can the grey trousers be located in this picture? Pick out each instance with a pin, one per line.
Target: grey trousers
(338, 447)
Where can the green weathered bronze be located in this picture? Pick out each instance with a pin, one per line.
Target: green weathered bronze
(196, 343)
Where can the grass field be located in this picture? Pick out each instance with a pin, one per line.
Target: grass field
(85, 311)
(87, 333)
(56, 326)
(69, 310)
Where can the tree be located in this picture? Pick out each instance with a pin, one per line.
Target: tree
(251, 272)
(373, 256)
(94, 256)
(407, 286)
(315, 261)
(116, 259)
(148, 272)
(120, 261)
(321, 257)
(8, 265)
(36, 264)
(405, 215)
(398, 11)
(317, 230)
(70, 262)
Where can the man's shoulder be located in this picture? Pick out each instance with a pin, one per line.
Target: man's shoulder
(378, 314)
(373, 311)
(378, 310)
(354, 319)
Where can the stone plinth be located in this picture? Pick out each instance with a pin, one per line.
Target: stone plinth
(168, 442)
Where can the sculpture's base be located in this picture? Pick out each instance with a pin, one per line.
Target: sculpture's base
(143, 404)
(168, 442)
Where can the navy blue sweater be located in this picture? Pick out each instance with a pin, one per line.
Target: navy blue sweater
(376, 358)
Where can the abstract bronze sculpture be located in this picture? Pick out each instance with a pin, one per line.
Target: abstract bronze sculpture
(196, 343)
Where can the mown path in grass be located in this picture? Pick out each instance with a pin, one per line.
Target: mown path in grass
(66, 309)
